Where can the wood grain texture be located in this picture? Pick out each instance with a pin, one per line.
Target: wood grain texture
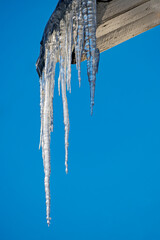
(120, 20)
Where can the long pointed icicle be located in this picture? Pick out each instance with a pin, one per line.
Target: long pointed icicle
(74, 32)
(69, 48)
(46, 136)
(62, 77)
(92, 62)
(80, 40)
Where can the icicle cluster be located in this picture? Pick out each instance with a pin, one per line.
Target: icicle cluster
(76, 31)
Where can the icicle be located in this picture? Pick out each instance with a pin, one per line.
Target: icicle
(41, 106)
(46, 134)
(80, 40)
(62, 77)
(91, 51)
(46, 103)
(66, 121)
(75, 31)
(69, 48)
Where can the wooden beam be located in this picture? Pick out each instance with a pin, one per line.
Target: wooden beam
(120, 20)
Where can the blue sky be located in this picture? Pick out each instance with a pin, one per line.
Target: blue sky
(112, 190)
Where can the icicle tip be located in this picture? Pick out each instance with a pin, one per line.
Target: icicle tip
(48, 221)
(92, 109)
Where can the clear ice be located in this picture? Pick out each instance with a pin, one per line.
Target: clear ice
(74, 32)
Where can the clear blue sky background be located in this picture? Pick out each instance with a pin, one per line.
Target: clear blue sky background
(112, 190)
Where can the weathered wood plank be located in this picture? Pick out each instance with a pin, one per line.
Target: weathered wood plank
(107, 11)
(131, 19)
